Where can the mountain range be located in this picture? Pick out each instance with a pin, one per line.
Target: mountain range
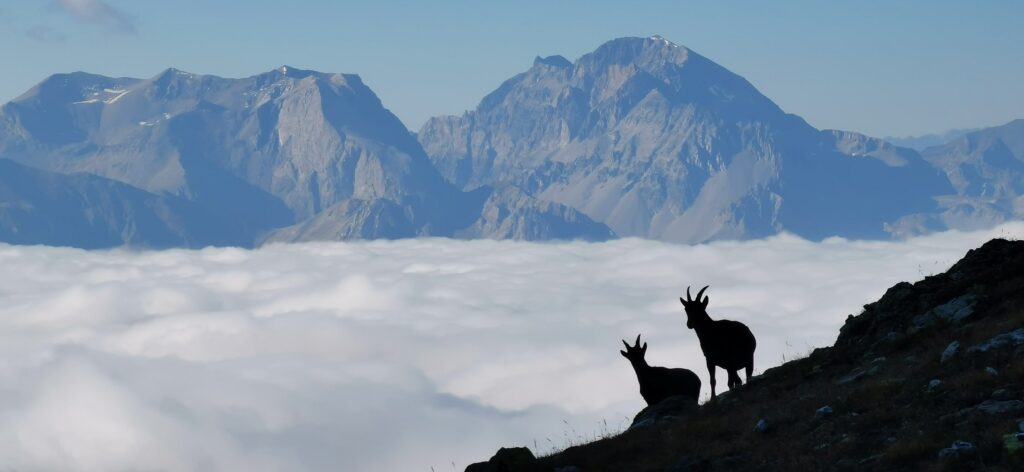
(641, 137)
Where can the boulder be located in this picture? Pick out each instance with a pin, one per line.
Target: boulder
(1011, 339)
(508, 459)
(950, 351)
(959, 450)
(671, 407)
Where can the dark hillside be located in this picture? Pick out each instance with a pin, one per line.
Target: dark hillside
(929, 377)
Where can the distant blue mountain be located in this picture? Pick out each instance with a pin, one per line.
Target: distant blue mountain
(924, 141)
(641, 137)
(283, 148)
(88, 211)
(986, 167)
(657, 141)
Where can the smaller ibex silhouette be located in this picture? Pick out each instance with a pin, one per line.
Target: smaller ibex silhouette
(727, 344)
(659, 383)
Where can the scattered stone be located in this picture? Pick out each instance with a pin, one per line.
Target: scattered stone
(995, 407)
(669, 408)
(1000, 394)
(934, 384)
(870, 459)
(856, 374)
(950, 351)
(1012, 339)
(958, 450)
(507, 459)
(991, 371)
(1020, 425)
(823, 411)
(879, 360)
(761, 426)
(890, 440)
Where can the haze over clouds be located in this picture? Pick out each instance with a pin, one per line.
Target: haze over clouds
(388, 355)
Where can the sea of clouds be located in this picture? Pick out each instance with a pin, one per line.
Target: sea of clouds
(400, 355)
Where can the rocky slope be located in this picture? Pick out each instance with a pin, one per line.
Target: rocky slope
(929, 377)
(657, 141)
(271, 150)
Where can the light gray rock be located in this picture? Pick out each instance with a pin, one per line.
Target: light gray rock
(959, 449)
(761, 426)
(950, 351)
(957, 310)
(823, 412)
(997, 407)
(1011, 339)
(934, 384)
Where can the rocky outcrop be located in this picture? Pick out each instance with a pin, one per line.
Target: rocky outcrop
(879, 399)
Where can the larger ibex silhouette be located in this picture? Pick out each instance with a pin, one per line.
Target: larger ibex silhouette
(727, 344)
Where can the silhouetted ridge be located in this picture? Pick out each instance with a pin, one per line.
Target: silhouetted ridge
(929, 377)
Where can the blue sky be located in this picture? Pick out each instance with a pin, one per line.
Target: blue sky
(879, 67)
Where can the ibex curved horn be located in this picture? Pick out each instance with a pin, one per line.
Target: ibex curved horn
(701, 292)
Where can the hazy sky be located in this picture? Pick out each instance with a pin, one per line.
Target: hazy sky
(879, 67)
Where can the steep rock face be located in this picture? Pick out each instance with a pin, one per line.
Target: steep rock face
(657, 141)
(40, 207)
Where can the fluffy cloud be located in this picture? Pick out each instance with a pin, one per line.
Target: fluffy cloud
(99, 12)
(380, 355)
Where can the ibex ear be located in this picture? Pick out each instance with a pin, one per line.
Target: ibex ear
(704, 303)
(624, 343)
(624, 354)
(682, 301)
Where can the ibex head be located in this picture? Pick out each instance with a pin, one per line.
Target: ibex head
(634, 353)
(695, 309)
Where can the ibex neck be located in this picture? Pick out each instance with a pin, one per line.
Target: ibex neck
(699, 317)
(640, 366)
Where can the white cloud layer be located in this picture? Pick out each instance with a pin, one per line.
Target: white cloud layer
(388, 355)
